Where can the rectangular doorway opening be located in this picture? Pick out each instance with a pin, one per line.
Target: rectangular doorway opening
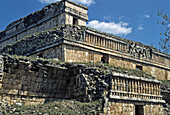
(105, 58)
(139, 67)
(75, 21)
(139, 110)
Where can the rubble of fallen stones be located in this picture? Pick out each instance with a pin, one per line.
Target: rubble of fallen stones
(93, 82)
(62, 107)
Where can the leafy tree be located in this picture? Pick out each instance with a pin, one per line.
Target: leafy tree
(165, 40)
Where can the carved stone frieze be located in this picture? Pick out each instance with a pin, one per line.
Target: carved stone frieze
(139, 51)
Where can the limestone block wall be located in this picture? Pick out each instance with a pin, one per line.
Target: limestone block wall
(55, 14)
(80, 44)
(32, 83)
(79, 54)
(38, 21)
(35, 81)
(128, 108)
(76, 54)
(159, 72)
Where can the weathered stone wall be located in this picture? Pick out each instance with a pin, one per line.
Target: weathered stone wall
(53, 15)
(125, 47)
(79, 54)
(128, 108)
(158, 72)
(34, 81)
(73, 44)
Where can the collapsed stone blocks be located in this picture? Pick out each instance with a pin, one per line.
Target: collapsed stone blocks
(47, 81)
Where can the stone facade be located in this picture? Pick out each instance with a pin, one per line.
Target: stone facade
(76, 44)
(128, 108)
(34, 81)
(56, 14)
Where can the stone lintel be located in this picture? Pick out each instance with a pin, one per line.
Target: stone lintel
(136, 99)
(135, 77)
(143, 94)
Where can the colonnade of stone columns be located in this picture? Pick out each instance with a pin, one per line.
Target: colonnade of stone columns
(105, 42)
(135, 87)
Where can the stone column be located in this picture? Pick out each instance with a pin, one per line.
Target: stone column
(124, 84)
(159, 90)
(121, 47)
(130, 85)
(91, 38)
(116, 45)
(149, 88)
(154, 89)
(132, 90)
(115, 83)
(136, 86)
(118, 83)
(87, 36)
(126, 87)
(138, 91)
(102, 41)
(111, 43)
(140, 86)
(144, 87)
(95, 39)
(120, 80)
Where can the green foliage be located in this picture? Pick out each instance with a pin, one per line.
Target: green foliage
(166, 82)
(165, 40)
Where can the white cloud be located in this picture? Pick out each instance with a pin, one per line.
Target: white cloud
(86, 2)
(147, 16)
(140, 27)
(112, 27)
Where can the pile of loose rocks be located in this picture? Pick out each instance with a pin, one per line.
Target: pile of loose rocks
(61, 107)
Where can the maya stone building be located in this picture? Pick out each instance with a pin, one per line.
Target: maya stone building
(59, 31)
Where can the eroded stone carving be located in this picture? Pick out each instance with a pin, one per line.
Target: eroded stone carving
(139, 51)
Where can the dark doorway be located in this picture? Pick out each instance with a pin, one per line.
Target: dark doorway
(75, 21)
(40, 55)
(139, 110)
(138, 67)
(105, 59)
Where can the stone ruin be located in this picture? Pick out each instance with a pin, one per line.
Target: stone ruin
(59, 32)
(36, 81)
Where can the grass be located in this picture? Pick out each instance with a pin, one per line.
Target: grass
(66, 107)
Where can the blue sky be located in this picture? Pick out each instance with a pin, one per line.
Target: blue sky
(131, 19)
